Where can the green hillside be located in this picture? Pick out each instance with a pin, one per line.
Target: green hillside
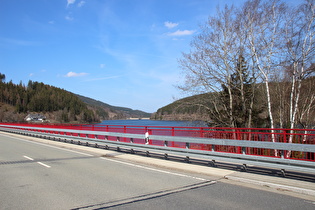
(57, 105)
(189, 108)
(106, 111)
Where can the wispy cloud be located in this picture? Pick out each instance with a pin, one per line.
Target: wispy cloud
(18, 42)
(105, 78)
(170, 24)
(74, 74)
(181, 33)
(81, 3)
(69, 18)
(70, 2)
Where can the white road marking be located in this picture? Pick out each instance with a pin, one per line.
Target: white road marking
(154, 169)
(47, 145)
(28, 157)
(40, 163)
(43, 164)
(121, 162)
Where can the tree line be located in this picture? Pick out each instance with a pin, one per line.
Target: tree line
(256, 64)
(38, 97)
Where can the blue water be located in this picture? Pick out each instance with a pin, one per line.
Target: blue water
(155, 123)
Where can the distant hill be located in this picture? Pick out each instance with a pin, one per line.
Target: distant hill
(190, 108)
(109, 112)
(55, 104)
(37, 98)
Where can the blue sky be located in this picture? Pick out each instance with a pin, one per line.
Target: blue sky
(121, 52)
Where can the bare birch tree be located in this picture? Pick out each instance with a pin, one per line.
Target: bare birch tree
(262, 22)
(210, 64)
(276, 41)
(300, 50)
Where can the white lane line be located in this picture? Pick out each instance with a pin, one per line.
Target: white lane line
(40, 163)
(43, 164)
(154, 169)
(47, 145)
(28, 157)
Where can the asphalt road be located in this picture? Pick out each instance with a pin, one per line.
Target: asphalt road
(40, 176)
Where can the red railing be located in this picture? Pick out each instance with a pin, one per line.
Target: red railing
(297, 136)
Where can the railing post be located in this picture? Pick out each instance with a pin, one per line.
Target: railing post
(173, 134)
(187, 145)
(201, 132)
(165, 143)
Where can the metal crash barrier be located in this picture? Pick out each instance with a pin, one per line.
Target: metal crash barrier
(187, 147)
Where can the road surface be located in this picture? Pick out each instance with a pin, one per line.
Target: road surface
(41, 176)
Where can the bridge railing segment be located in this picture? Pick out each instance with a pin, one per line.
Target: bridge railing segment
(240, 146)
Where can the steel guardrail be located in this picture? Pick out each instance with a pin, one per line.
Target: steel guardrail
(211, 155)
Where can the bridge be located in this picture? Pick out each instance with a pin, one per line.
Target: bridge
(111, 176)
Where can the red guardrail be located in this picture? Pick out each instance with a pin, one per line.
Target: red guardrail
(297, 136)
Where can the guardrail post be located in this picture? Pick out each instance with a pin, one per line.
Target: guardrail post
(244, 150)
(244, 167)
(212, 163)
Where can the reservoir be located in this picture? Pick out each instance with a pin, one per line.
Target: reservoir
(164, 123)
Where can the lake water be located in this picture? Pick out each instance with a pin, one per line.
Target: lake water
(165, 123)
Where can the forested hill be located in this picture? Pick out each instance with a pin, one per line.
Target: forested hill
(58, 105)
(211, 107)
(107, 111)
(191, 108)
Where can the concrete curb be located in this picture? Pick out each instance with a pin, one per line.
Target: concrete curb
(273, 185)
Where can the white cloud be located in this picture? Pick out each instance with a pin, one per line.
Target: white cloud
(181, 33)
(81, 3)
(70, 2)
(69, 18)
(73, 74)
(170, 24)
